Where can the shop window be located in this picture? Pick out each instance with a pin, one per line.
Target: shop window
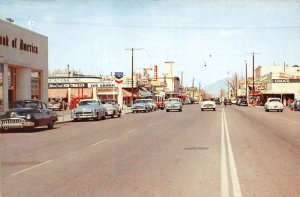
(11, 85)
(1, 88)
(35, 84)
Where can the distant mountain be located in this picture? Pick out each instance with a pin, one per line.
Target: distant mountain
(215, 87)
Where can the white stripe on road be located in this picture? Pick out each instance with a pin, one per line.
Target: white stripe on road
(131, 131)
(224, 174)
(234, 177)
(19, 172)
(99, 142)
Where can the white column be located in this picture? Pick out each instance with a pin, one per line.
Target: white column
(94, 93)
(5, 87)
(23, 83)
(120, 96)
(44, 85)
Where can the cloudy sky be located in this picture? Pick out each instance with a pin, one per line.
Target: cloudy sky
(92, 36)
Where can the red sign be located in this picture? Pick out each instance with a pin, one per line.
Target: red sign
(155, 73)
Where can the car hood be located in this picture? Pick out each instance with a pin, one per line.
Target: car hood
(18, 112)
(85, 108)
(274, 103)
(139, 105)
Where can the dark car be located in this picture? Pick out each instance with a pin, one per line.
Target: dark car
(242, 102)
(28, 114)
(227, 102)
(218, 101)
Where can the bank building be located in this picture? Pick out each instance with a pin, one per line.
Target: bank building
(23, 65)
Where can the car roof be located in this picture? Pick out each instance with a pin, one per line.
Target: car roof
(28, 100)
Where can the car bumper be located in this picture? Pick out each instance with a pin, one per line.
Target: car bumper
(173, 108)
(84, 116)
(15, 123)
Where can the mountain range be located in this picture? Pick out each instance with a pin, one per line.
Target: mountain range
(214, 88)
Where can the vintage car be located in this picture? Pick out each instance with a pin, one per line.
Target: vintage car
(295, 106)
(112, 108)
(160, 104)
(208, 105)
(242, 102)
(89, 109)
(57, 104)
(141, 105)
(174, 104)
(273, 104)
(153, 104)
(28, 114)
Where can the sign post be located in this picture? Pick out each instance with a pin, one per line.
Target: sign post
(119, 81)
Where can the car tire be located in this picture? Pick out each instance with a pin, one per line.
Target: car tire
(214, 109)
(51, 125)
(113, 115)
(180, 110)
(167, 110)
(76, 119)
(201, 109)
(103, 117)
(119, 115)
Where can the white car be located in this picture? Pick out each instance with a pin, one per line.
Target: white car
(273, 104)
(208, 105)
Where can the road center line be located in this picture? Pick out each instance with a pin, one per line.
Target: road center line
(32, 167)
(224, 174)
(99, 142)
(235, 180)
(131, 131)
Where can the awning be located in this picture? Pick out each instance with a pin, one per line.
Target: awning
(127, 93)
(53, 93)
(144, 93)
(83, 92)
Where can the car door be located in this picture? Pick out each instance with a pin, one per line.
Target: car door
(46, 113)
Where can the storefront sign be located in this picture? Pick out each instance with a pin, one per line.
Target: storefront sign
(286, 80)
(67, 85)
(23, 46)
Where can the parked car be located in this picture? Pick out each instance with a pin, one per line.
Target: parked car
(273, 104)
(28, 114)
(208, 105)
(295, 106)
(234, 102)
(89, 109)
(152, 103)
(242, 102)
(141, 105)
(160, 104)
(174, 104)
(196, 102)
(58, 104)
(112, 108)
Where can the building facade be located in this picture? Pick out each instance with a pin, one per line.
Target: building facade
(23, 65)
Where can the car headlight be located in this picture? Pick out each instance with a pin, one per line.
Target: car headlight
(28, 116)
(13, 114)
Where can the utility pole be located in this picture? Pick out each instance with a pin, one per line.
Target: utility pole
(236, 85)
(68, 70)
(132, 49)
(284, 67)
(246, 81)
(199, 91)
(193, 88)
(253, 87)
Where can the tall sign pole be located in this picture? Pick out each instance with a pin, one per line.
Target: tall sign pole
(246, 81)
(253, 90)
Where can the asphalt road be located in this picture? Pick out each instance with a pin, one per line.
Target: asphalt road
(235, 151)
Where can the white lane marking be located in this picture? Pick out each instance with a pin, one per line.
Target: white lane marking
(99, 142)
(224, 174)
(234, 177)
(131, 131)
(38, 165)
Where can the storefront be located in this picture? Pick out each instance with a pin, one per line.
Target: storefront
(23, 65)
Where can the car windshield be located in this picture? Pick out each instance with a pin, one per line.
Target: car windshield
(88, 102)
(26, 104)
(139, 101)
(274, 100)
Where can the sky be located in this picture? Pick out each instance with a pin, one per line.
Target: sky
(91, 36)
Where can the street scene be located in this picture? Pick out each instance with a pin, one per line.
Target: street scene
(150, 98)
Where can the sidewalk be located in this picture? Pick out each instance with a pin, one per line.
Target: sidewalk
(65, 116)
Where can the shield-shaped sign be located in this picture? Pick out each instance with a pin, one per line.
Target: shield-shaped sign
(119, 75)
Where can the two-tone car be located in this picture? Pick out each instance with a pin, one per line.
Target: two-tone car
(205, 105)
(141, 105)
(112, 108)
(153, 104)
(89, 109)
(28, 114)
(174, 104)
(273, 104)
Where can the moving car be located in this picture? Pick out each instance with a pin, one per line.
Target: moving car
(218, 101)
(112, 108)
(227, 101)
(89, 109)
(273, 104)
(208, 105)
(141, 105)
(28, 114)
(174, 104)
